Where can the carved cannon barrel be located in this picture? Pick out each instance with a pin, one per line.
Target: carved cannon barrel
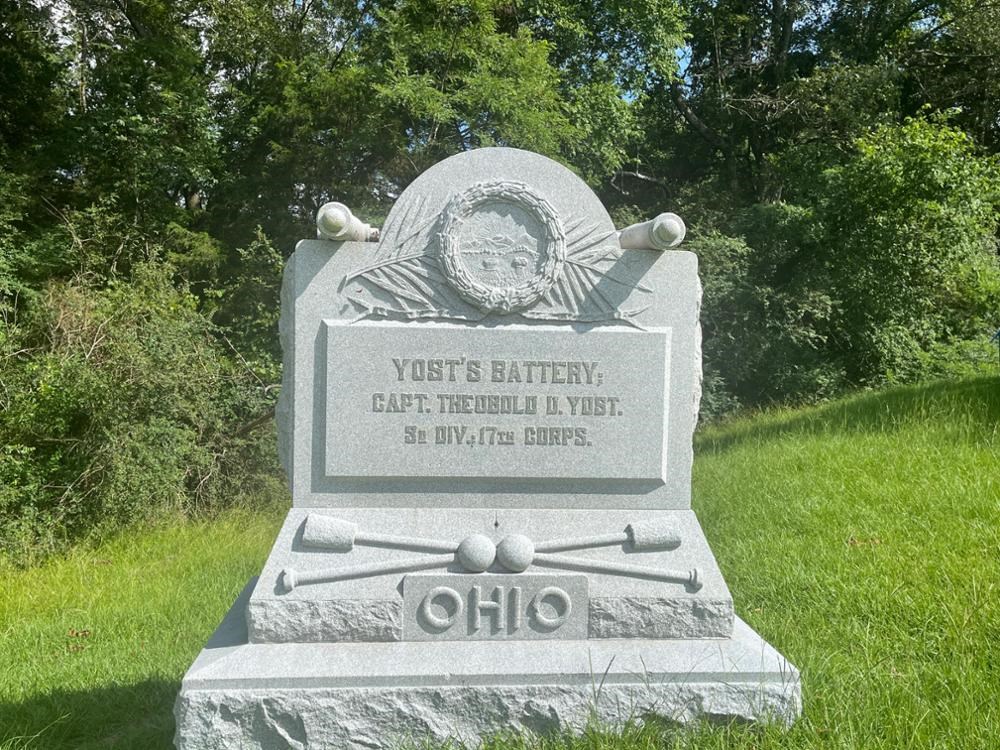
(644, 536)
(326, 532)
(334, 221)
(651, 536)
(661, 233)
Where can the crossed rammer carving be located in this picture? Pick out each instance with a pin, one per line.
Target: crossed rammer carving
(515, 553)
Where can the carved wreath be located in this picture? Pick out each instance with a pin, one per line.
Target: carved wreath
(417, 271)
(498, 297)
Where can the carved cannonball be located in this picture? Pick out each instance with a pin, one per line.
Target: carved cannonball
(515, 552)
(476, 553)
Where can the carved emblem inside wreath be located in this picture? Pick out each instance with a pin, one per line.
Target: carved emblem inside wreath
(502, 245)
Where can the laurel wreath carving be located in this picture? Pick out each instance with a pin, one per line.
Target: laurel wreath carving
(503, 299)
(583, 279)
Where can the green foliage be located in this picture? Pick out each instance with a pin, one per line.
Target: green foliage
(814, 135)
(161, 147)
(30, 77)
(876, 577)
(918, 238)
(460, 81)
(910, 218)
(885, 273)
(248, 308)
(119, 406)
(158, 161)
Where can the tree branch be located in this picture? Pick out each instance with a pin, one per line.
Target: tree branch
(636, 175)
(256, 422)
(694, 121)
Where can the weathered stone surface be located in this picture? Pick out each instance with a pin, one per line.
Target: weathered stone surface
(446, 402)
(387, 717)
(367, 620)
(486, 419)
(602, 293)
(494, 607)
(633, 617)
(314, 621)
(373, 695)
(315, 300)
(333, 608)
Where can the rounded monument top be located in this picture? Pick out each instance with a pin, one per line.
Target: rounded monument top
(563, 190)
(500, 222)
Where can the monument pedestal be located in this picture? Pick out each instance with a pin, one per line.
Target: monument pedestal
(346, 607)
(368, 695)
(486, 421)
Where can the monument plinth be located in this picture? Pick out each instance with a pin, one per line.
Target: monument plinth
(486, 420)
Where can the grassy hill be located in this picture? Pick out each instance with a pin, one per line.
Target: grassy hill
(861, 538)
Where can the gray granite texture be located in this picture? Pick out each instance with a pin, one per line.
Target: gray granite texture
(371, 608)
(375, 695)
(383, 717)
(344, 412)
(486, 421)
(553, 404)
(389, 371)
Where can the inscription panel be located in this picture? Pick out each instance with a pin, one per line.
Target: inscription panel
(494, 607)
(537, 403)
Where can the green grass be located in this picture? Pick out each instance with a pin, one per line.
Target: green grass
(93, 646)
(861, 538)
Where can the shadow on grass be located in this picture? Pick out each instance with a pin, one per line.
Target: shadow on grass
(113, 716)
(973, 406)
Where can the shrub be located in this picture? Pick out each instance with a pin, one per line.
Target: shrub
(120, 405)
(885, 271)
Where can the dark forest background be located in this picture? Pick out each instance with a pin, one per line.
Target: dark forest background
(836, 163)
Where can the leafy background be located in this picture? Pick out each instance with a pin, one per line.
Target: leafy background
(836, 164)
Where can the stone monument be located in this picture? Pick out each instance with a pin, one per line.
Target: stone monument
(486, 419)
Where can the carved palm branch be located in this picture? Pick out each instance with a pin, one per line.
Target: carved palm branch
(405, 279)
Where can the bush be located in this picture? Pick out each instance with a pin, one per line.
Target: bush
(885, 271)
(912, 219)
(120, 405)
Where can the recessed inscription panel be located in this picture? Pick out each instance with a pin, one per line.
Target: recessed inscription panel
(505, 405)
(494, 607)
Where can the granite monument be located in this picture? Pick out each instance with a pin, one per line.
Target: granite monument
(486, 420)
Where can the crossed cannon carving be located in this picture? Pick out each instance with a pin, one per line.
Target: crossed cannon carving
(477, 552)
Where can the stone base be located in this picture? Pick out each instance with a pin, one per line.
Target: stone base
(374, 695)
(371, 608)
